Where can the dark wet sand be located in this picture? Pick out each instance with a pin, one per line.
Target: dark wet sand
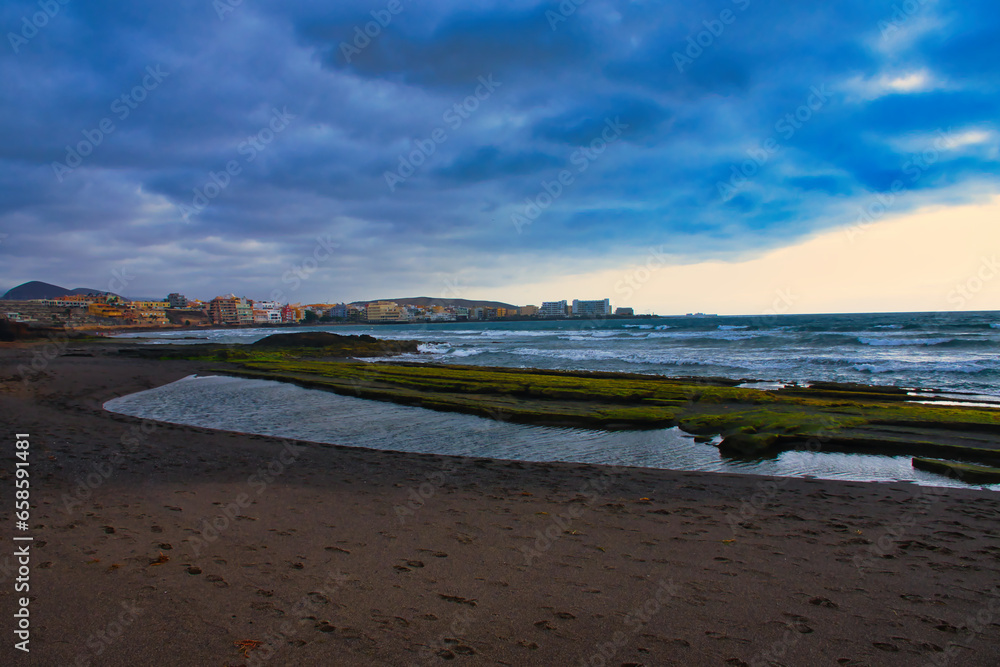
(346, 556)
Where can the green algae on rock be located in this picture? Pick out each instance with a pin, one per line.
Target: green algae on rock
(963, 471)
(751, 422)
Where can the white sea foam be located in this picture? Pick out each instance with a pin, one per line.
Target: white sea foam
(444, 348)
(645, 358)
(508, 333)
(591, 335)
(434, 348)
(900, 342)
(726, 334)
(569, 355)
(466, 352)
(894, 367)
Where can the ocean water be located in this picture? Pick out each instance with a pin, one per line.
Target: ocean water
(953, 353)
(285, 410)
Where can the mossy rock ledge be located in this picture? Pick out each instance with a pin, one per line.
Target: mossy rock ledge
(753, 445)
(327, 339)
(963, 471)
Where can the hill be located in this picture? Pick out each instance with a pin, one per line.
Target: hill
(424, 301)
(36, 289)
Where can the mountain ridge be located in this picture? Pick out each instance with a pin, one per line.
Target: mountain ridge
(424, 301)
(36, 289)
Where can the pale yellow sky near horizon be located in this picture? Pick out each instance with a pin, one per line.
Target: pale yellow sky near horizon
(938, 258)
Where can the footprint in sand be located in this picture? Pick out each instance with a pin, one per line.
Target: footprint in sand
(798, 623)
(462, 649)
(885, 646)
(823, 602)
(457, 599)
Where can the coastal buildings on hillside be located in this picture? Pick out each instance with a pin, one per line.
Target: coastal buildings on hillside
(553, 309)
(591, 308)
(226, 310)
(267, 312)
(383, 311)
(222, 310)
(84, 309)
(231, 310)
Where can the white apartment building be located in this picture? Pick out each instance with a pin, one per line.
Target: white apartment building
(600, 308)
(553, 309)
(269, 312)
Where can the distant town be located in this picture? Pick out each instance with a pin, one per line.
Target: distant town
(99, 309)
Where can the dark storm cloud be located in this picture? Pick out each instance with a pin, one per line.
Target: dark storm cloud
(457, 49)
(189, 180)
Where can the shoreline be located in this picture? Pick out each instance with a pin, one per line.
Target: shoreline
(751, 422)
(781, 443)
(113, 330)
(385, 558)
(944, 474)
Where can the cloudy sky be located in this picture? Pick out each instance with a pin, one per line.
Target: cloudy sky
(732, 156)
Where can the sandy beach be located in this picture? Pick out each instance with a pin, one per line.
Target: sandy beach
(159, 544)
